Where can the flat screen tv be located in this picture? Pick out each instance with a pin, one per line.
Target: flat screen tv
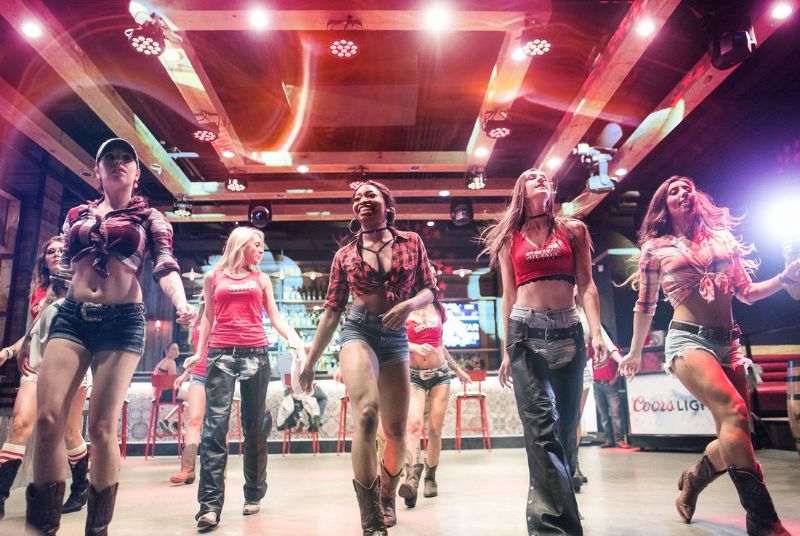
(462, 329)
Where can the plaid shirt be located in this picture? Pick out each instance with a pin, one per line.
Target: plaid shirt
(712, 265)
(128, 234)
(409, 272)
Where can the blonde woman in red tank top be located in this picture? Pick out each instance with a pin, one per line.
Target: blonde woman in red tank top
(232, 331)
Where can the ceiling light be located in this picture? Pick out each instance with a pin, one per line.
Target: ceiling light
(621, 172)
(228, 154)
(496, 124)
(302, 168)
(460, 212)
(258, 19)
(344, 45)
(531, 39)
(781, 10)
(182, 208)
(553, 163)
(518, 54)
(444, 193)
(431, 223)
(32, 29)
(437, 18)
(173, 55)
(191, 275)
(260, 215)
(481, 152)
(148, 38)
(343, 48)
(645, 27)
(205, 130)
(462, 272)
(235, 184)
(475, 179)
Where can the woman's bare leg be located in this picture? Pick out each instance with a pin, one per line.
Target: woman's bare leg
(360, 372)
(394, 390)
(439, 397)
(416, 419)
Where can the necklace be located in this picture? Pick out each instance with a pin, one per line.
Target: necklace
(366, 231)
(543, 214)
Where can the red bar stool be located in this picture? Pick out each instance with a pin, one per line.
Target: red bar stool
(341, 436)
(477, 377)
(122, 436)
(162, 382)
(287, 433)
(236, 415)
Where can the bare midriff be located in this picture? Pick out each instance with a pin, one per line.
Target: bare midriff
(121, 286)
(715, 314)
(434, 359)
(546, 295)
(374, 302)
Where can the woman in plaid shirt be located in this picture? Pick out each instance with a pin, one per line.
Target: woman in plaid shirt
(689, 251)
(386, 272)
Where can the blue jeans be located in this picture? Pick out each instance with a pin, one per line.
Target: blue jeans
(609, 406)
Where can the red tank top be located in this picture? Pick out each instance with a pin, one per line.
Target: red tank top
(237, 311)
(554, 260)
(429, 332)
(36, 299)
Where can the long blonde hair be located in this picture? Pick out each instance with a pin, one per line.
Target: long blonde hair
(497, 237)
(233, 252)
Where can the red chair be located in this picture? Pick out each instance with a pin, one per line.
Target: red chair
(162, 382)
(341, 436)
(287, 433)
(477, 377)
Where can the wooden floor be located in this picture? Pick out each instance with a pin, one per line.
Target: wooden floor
(480, 493)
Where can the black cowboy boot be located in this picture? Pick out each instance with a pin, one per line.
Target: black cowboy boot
(369, 505)
(388, 493)
(44, 507)
(408, 489)
(431, 487)
(79, 489)
(101, 510)
(762, 519)
(692, 481)
(8, 472)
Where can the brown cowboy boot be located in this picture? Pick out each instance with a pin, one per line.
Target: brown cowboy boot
(369, 505)
(692, 481)
(101, 510)
(44, 507)
(431, 487)
(408, 489)
(388, 492)
(762, 519)
(188, 459)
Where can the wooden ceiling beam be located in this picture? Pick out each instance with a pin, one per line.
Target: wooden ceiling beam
(66, 58)
(345, 161)
(687, 95)
(28, 119)
(622, 53)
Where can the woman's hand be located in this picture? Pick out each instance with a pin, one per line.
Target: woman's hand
(601, 353)
(395, 318)
(5, 355)
(24, 364)
(424, 349)
(190, 362)
(186, 314)
(791, 274)
(504, 374)
(180, 379)
(307, 376)
(463, 377)
(630, 365)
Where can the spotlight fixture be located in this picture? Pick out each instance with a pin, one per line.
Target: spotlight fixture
(182, 208)
(730, 31)
(32, 29)
(236, 184)
(496, 124)
(148, 38)
(355, 176)
(343, 46)
(461, 212)
(260, 215)
(475, 178)
(206, 129)
(531, 41)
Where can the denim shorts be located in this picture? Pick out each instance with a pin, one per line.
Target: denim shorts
(197, 379)
(427, 379)
(390, 345)
(558, 353)
(121, 329)
(729, 355)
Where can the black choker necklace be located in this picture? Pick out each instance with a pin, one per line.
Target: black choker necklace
(543, 214)
(365, 231)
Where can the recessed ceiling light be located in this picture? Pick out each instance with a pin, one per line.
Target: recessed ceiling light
(431, 223)
(228, 154)
(553, 163)
(302, 168)
(621, 172)
(645, 27)
(481, 151)
(258, 18)
(437, 18)
(781, 10)
(32, 29)
(444, 193)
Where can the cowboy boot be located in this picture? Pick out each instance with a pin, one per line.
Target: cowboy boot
(101, 510)
(692, 481)
(44, 507)
(408, 489)
(188, 460)
(762, 519)
(431, 487)
(388, 493)
(8, 472)
(79, 489)
(369, 505)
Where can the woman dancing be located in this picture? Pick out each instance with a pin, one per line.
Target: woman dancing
(430, 365)
(541, 259)
(688, 249)
(232, 332)
(381, 267)
(13, 450)
(102, 323)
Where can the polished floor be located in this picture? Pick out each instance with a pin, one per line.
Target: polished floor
(480, 493)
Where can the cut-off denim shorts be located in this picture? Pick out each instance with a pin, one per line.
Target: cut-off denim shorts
(390, 345)
(101, 328)
(427, 379)
(729, 355)
(198, 379)
(558, 353)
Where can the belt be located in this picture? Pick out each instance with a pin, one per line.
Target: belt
(719, 335)
(97, 312)
(242, 351)
(429, 374)
(555, 334)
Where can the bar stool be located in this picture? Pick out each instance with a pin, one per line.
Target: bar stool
(236, 416)
(477, 377)
(122, 430)
(162, 382)
(341, 435)
(287, 433)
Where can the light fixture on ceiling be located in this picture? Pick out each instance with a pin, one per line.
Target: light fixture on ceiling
(302, 168)
(260, 215)
(781, 10)
(462, 272)
(444, 193)
(191, 275)
(356, 176)
(431, 223)
(461, 212)
(258, 18)
(553, 163)
(227, 153)
(645, 27)
(236, 184)
(32, 29)
(621, 172)
(437, 18)
(148, 38)
(207, 129)
(182, 208)
(475, 178)
(731, 36)
(496, 124)
(312, 275)
(480, 152)
(344, 46)
(531, 39)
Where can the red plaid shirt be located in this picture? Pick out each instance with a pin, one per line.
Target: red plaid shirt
(410, 272)
(128, 234)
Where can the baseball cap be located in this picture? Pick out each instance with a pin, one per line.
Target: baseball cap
(116, 143)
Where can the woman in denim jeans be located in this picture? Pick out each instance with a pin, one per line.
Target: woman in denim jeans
(688, 250)
(541, 259)
(387, 272)
(233, 339)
